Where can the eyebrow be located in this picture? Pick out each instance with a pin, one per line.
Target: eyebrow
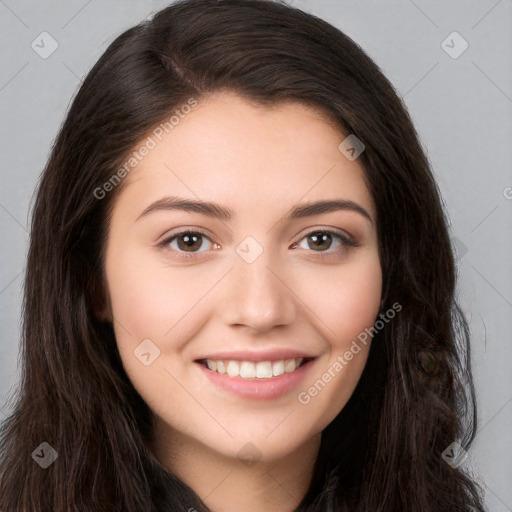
(223, 213)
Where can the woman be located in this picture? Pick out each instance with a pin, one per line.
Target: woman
(189, 342)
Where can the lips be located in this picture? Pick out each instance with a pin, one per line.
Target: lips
(266, 387)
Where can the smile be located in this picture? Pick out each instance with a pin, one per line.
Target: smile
(256, 380)
(254, 370)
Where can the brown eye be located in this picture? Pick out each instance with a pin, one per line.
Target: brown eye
(186, 243)
(189, 241)
(322, 240)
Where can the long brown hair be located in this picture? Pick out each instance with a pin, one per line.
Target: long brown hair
(383, 451)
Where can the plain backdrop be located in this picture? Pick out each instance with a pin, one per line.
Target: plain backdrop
(460, 101)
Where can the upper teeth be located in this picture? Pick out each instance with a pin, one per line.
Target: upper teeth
(250, 369)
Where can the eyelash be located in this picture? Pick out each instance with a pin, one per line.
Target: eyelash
(344, 239)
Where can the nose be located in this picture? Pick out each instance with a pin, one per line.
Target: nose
(257, 295)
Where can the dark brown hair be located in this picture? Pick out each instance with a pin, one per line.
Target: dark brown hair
(383, 451)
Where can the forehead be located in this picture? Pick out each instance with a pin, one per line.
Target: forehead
(230, 150)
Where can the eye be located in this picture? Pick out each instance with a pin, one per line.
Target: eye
(322, 240)
(185, 243)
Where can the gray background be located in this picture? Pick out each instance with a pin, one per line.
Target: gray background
(461, 107)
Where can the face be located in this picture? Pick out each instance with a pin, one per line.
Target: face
(251, 282)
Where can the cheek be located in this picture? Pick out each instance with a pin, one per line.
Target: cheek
(346, 299)
(147, 299)
(347, 307)
(153, 311)
(356, 305)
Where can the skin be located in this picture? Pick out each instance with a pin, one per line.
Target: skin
(260, 162)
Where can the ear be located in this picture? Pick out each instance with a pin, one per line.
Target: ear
(101, 301)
